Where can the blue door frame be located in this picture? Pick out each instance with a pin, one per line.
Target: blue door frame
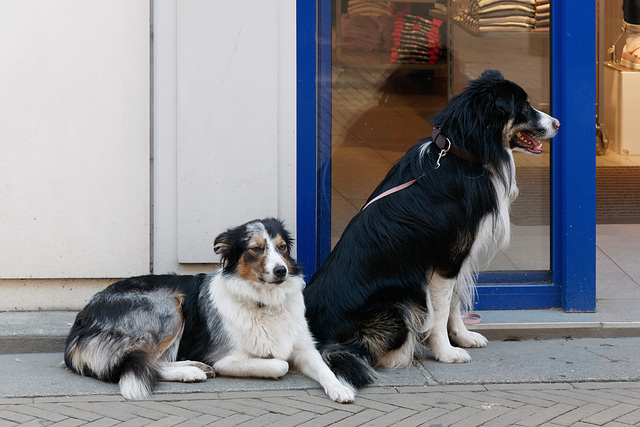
(571, 283)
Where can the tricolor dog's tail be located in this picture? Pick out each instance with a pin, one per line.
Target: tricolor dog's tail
(139, 374)
(135, 369)
(348, 365)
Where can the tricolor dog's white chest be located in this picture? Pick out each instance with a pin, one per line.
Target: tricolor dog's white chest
(264, 325)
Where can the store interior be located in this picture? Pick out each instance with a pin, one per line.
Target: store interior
(382, 101)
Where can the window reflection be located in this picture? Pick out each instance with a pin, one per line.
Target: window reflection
(395, 64)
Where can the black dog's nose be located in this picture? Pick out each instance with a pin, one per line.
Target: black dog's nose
(280, 271)
(556, 123)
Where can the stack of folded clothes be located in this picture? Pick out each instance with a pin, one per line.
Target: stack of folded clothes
(499, 15)
(367, 26)
(542, 16)
(416, 40)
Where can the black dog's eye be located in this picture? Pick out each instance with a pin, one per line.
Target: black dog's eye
(525, 110)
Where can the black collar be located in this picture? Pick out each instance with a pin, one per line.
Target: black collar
(447, 146)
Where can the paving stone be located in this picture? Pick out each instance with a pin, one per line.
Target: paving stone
(360, 418)
(326, 419)
(486, 399)
(35, 412)
(262, 420)
(168, 421)
(299, 405)
(528, 397)
(610, 414)
(392, 418)
(459, 415)
(16, 417)
(106, 422)
(513, 417)
(202, 406)
(68, 411)
(423, 417)
(202, 420)
(70, 422)
(547, 414)
(135, 422)
(632, 418)
(233, 420)
(579, 413)
(325, 401)
(295, 419)
(486, 416)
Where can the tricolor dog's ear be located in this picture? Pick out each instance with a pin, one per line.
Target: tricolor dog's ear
(222, 243)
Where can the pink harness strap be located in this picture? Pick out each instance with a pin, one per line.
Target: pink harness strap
(390, 191)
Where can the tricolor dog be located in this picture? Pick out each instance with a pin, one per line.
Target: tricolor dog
(245, 320)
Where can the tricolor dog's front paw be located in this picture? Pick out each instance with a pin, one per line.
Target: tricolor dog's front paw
(192, 374)
(341, 393)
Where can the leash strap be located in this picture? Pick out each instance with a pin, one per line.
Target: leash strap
(390, 191)
(471, 319)
(442, 142)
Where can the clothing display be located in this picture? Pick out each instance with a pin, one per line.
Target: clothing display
(387, 32)
(367, 32)
(504, 15)
(543, 16)
(416, 40)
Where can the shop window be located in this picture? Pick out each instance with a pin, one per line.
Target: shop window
(618, 143)
(395, 64)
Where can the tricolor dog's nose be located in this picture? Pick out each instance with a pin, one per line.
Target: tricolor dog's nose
(280, 271)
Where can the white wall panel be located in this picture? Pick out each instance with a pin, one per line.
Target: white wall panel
(74, 138)
(230, 108)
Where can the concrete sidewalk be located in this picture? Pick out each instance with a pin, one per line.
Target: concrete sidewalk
(31, 346)
(559, 381)
(502, 362)
(588, 381)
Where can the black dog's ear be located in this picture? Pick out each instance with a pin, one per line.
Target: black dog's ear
(222, 243)
(505, 104)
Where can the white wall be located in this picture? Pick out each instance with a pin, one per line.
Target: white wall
(74, 138)
(76, 178)
(225, 111)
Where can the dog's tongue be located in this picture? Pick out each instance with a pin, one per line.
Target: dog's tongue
(528, 143)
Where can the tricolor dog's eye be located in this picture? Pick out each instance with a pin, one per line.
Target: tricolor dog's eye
(256, 249)
(282, 247)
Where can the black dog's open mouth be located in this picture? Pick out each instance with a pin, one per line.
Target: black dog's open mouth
(527, 143)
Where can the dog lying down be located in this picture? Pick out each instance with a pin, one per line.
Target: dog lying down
(245, 320)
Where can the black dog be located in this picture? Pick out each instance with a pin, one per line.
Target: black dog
(406, 264)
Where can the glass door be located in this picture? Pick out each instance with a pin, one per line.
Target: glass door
(385, 67)
(395, 64)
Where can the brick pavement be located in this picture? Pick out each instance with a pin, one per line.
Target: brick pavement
(541, 404)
